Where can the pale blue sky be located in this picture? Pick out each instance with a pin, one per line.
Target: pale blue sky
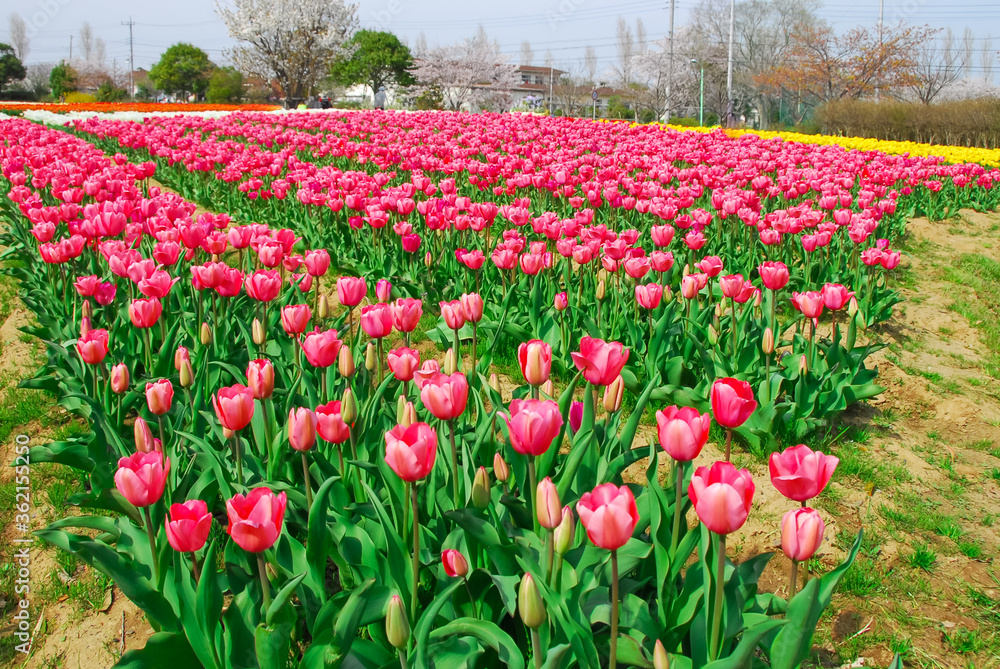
(565, 26)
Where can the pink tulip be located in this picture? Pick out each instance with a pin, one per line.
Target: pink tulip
(188, 525)
(600, 361)
(260, 378)
(454, 563)
(330, 423)
(732, 402)
(295, 318)
(548, 508)
(836, 296)
(445, 396)
(454, 314)
(93, 346)
(403, 362)
(609, 514)
(648, 296)
(351, 290)
(722, 496)
(234, 406)
(376, 320)
(731, 285)
(535, 358)
(561, 301)
(533, 425)
(301, 429)
(321, 348)
(383, 290)
(159, 396)
(317, 262)
(263, 285)
(428, 370)
(799, 473)
(774, 275)
(119, 378)
(710, 265)
(683, 432)
(141, 478)
(472, 304)
(410, 451)
(255, 520)
(144, 313)
(406, 313)
(689, 286)
(801, 533)
(810, 303)
(575, 416)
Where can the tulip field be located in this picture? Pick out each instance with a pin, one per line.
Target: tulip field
(371, 389)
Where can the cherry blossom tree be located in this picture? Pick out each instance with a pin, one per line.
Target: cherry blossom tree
(292, 42)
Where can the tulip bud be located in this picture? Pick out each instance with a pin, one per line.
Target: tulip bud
(370, 357)
(428, 262)
(530, 604)
(323, 310)
(548, 389)
(227, 433)
(686, 270)
(852, 307)
(88, 310)
(383, 290)
(713, 335)
(257, 329)
(495, 383)
(119, 378)
(601, 290)
(660, 658)
(613, 395)
(803, 365)
(345, 362)
(602, 276)
(667, 294)
(349, 407)
(143, 436)
(481, 489)
(409, 415)
(206, 334)
(397, 630)
(187, 373)
(719, 310)
(548, 509)
(400, 408)
(768, 344)
(500, 469)
(562, 536)
(455, 564)
(561, 301)
(84, 326)
(450, 366)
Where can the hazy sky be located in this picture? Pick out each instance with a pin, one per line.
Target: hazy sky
(564, 26)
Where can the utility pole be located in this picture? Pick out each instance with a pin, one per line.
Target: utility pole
(670, 63)
(881, 12)
(71, 48)
(550, 88)
(131, 59)
(729, 68)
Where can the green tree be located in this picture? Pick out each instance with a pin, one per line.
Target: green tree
(378, 59)
(62, 79)
(182, 69)
(11, 68)
(108, 92)
(225, 85)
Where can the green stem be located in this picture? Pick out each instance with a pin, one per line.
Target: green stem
(675, 535)
(454, 462)
(458, 352)
(196, 567)
(305, 475)
(152, 545)
(551, 545)
(720, 575)
(735, 361)
(239, 456)
(536, 648)
(531, 492)
(415, 560)
(729, 442)
(793, 578)
(264, 585)
(475, 343)
(613, 659)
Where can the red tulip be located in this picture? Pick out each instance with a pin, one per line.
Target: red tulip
(732, 402)
(144, 313)
(376, 320)
(188, 525)
(445, 396)
(472, 305)
(234, 406)
(774, 275)
(533, 425)
(600, 361)
(255, 520)
(410, 451)
(351, 290)
(295, 318)
(403, 362)
(260, 378)
(93, 346)
(801, 533)
(455, 564)
(330, 423)
(321, 348)
(609, 514)
(683, 432)
(301, 428)
(454, 314)
(799, 473)
(159, 396)
(535, 358)
(406, 313)
(722, 496)
(141, 477)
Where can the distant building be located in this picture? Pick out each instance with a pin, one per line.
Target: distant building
(533, 91)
